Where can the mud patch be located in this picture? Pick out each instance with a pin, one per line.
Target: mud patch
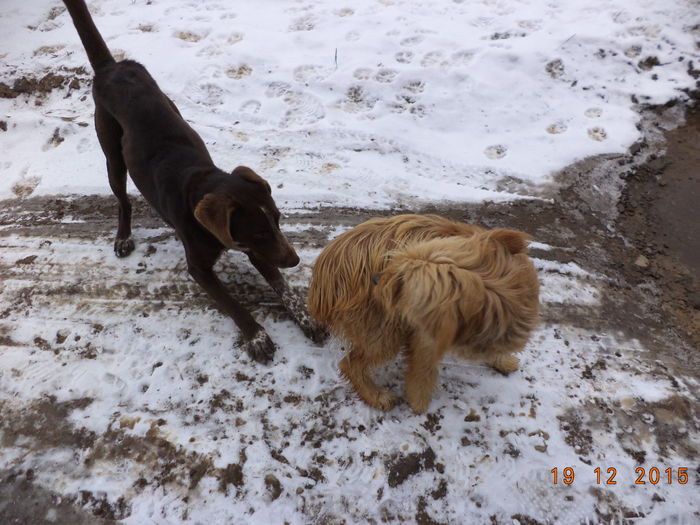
(24, 187)
(659, 214)
(24, 502)
(44, 421)
(28, 85)
(400, 468)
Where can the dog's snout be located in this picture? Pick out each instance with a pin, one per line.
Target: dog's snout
(290, 260)
(288, 256)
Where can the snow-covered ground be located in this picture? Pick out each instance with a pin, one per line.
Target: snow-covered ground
(121, 388)
(365, 104)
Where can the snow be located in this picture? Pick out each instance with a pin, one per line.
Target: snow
(368, 104)
(374, 104)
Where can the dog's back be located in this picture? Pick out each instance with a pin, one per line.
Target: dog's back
(347, 263)
(475, 295)
(161, 150)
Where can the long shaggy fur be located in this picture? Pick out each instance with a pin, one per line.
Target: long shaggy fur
(440, 286)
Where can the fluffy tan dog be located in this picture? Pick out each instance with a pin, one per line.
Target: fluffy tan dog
(428, 285)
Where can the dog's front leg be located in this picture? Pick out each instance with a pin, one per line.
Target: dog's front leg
(293, 302)
(421, 373)
(257, 344)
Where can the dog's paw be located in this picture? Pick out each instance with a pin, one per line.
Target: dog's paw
(123, 247)
(419, 401)
(385, 400)
(505, 364)
(296, 308)
(312, 330)
(260, 347)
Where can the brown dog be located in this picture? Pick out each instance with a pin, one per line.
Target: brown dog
(141, 130)
(430, 285)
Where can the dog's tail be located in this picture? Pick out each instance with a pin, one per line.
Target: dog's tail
(452, 288)
(95, 47)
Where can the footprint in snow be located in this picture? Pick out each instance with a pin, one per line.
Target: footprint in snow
(357, 100)
(208, 95)
(461, 58)
(363, 73)
(311, 73)
(234, 38)
(597, 134)
(532, 25)
(386, 75)
(556, 128)
(55, 140)
(411, 41)
(555, 68)
(593, 112)
(305, 23)
(415, 86)
(404, 57)
(25, 186)
(633, 51)
(277, 89)
(250, 107)
(84, 145)
(434, 58)
(189, 36)
(239, 72)
(407, 99)
(304, 109)
(497, 151)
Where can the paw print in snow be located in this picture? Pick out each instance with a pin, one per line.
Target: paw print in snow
(555, 68)
(277, 89)
(556, 129)
(432, 59)
(597, 134)
(362, 73)
(411, 41)
(385, 75)
(305, 23)
(239, 72)
(404, 57)
(496, 151)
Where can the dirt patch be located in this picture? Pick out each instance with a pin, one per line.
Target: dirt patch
(40, 87)
(23, 502)
(400, 468)
(45, 422)
(659, 216)
(27, 85)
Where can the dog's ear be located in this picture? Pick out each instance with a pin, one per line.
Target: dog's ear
(214, 213)
(249, 175)
(514, 241)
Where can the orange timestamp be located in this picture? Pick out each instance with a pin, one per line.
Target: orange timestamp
(652, 475)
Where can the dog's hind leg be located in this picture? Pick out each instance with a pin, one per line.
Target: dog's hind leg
(357, 367)
(109, 133)
(422, 359)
